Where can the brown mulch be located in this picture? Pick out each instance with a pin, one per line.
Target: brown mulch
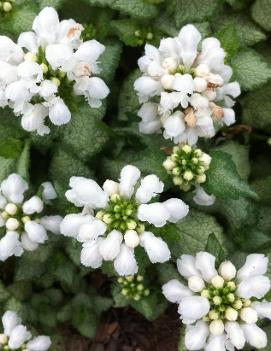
(126, 330)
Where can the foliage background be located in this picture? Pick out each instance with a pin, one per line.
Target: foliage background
(49, 287)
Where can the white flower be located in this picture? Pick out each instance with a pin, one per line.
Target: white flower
(202, 198)
(16, 335)
(218, 310)
(188, 77)
(23, 218)
(46, 64)
(118, 226)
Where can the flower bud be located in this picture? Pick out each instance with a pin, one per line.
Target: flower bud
(247, 303)
(227, 270)
(11, 209)
(238, 304)
(187, 149)
(177, 181)
(56, 81)
(201, 178)
(30, 57)
(231, 285)
(217, 327)
(188, 175)
(231, 314)
(196, 284)
(12, 224)
(131, 225)
(231, 297)
(205, 293)
(131, 238)
(217, 282)
(249, 315)
(202, 70)
(3, 339)
(26, 219)
(213, 315)
(217, 300)
(7, 7)
(167, 81)
(111, 187)
(107, 218)
(206, 160)
(169, 164)
(44, 68)
(200, 84)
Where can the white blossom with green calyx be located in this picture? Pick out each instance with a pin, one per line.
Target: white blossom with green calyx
(119, 218)
(16, 336)
(133, 287)
(46, 67)
(185, 87)
(221, 307)
(23, 220)
(187, 166)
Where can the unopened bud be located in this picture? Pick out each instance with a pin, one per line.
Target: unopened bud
(56, 81)
(196, 284)
(107, 218)
(231, 314)
(169, 164)
(205, 293)
(201, 178)
(227, 270)
(7, 7)
(167, 81)
(44, 68)
(187, 149)
(213, 315)
(217, 327)
(217, 282)
(30, 57)
(12, 224)
(131, 225)
(131, 238)
(249, 315)
(3, 339)
(11, 209)
(188, 175)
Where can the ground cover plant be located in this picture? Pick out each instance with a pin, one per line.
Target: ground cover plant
(135, 175)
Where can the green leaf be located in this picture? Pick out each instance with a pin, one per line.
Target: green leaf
(135, 8)
(4, 293)
(64, 165)
(248, 33)
(194, 10)
(214, 247)
(250, 69)
(166, 271)
(13, 305)
(151, 306)
(240, 156)
(261, 13)
(23, 162)
(119, 300)
(109, 60)
(52, 3)
(86, 134)
(125, 29)
(128, 100)
(7, 166)
(223, 180)
(263, 188)
(191, 234)
(229, 41)
(257, 109)
(11, 148)
(20, 19)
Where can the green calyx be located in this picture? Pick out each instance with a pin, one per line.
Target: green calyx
(132, 287)
(121, 214)
(187, 166)
(186, 70)
(224, 303)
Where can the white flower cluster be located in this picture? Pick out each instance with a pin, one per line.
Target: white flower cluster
(22, 221)
(124, 220)
(221, 308)
(185, 87)
(17, 337)
(46, 66)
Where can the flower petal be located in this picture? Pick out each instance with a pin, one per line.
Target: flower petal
(129, 176)
(109, 247)
(155, 213)
(125, 263)
(71, 223)
(13, 187)
(18, 336)
(205, 263)
(192, 308)
(195, 336)
(254, 287)
(177, 209)
(91, 230)
(40, 343)
(36, 232)
(254, 335)
(90, 255)
(51, 223)
(10, 320)
(174, 291)
(150, 186)
(186, 265)
(155, 247)
(262, 308)
(256, 264)
(10, 245)
(236, 335)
